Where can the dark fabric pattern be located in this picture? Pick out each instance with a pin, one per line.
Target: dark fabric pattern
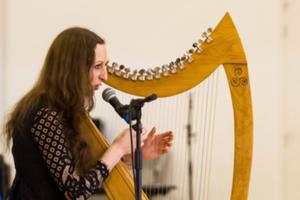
(48, 133)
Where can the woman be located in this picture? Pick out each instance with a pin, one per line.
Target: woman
(48, 153)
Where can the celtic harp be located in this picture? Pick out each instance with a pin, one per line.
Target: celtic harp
(221, 46)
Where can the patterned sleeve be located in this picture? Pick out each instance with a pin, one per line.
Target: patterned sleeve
(48, 133)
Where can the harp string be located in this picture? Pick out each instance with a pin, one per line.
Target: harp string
(184, 173)
(178, 159)
(207, 137)
(211, 129)
(204, 140)
(198, 129)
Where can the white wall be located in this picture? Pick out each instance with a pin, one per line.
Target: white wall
(148, 33)
(2, 97)
(291, 97)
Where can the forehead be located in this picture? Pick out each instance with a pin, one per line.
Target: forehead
(100, 53)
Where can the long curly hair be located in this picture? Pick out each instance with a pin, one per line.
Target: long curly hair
(63, 84)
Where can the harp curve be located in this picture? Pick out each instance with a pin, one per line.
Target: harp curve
(225, 49)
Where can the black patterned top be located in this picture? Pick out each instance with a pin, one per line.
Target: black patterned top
(48, 134)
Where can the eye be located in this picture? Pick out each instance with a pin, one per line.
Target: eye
(98, 66)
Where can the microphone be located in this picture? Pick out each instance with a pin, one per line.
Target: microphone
(109, 95)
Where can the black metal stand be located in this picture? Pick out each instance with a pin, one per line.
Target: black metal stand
(136, 107)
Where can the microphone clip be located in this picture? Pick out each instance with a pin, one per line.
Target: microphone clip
(141, 101)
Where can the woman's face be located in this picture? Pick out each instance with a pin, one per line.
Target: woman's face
(98, 71)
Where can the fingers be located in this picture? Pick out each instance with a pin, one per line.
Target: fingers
(167, 136)
(152, 132)
(164, 150)
(147, 137)
(167, 140)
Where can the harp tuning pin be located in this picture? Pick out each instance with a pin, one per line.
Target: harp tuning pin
(108, 64)
(172, 67)
(190, 58)
(117, 72)
(187, 58)
(191, 51)
(142, 71)
(206, 37)
(115, 65)
(209, 30)
(197, 48)
(126, 73)
(149, 75)
(179, 63)
(157, 72)
(126, 70)
(200, 41)
(121, 67)
(110, 68)
(165, 71)
(142, 74)
(118, 69)
(122, 70)
(134, 75)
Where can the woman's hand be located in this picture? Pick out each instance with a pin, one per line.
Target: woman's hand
(156, 144)
(153, 145)
(122, 141)
(119, 147)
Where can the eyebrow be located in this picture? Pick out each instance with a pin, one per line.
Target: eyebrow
(101, 62)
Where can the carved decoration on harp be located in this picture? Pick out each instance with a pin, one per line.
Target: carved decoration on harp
(226, 49)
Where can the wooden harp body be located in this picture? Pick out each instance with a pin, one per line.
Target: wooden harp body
(226, 49)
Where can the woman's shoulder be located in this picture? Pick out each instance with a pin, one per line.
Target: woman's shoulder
(45, 111)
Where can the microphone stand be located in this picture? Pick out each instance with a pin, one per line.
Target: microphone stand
(136, 107)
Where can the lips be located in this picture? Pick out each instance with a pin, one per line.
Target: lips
(96, 87)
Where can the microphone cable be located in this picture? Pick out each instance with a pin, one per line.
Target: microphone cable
(131, 146)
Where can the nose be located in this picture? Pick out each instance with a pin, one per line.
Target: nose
(103, 75)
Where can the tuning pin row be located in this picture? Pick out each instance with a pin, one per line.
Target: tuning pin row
(205, 39)
(164, 70)
(149, 74)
